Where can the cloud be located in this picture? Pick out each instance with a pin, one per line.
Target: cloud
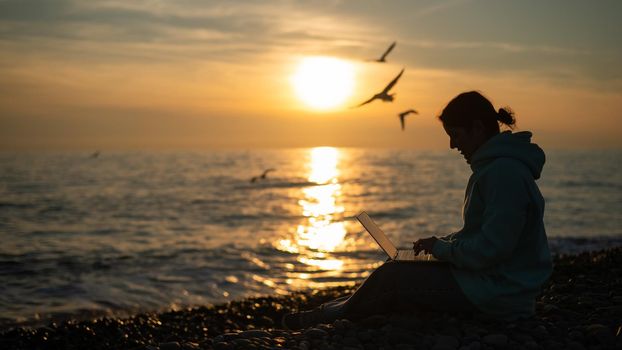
(438, 6)
(95, 34)
(502, 46)
(197, 30)
(243, 30)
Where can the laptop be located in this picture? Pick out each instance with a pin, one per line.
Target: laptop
(385, 243)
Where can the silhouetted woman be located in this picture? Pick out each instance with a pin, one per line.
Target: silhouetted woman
(497, 263)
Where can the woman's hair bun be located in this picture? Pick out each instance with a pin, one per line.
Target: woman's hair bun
(506, 116)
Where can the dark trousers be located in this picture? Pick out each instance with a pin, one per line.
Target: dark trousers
(399, 286)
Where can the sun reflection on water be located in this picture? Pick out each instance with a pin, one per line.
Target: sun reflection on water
(324, 161)
(323, 230)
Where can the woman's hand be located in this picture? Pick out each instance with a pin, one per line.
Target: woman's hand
(424, 245)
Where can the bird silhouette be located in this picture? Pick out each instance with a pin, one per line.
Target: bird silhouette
(403, 116)
(263, 175)
(382, 58)
(384, 94)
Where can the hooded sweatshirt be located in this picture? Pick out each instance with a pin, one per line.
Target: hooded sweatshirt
(500, 258)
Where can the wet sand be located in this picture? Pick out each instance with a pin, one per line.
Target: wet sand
(580, 308)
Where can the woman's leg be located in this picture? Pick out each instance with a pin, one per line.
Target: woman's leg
(402, 286)
(394, 286)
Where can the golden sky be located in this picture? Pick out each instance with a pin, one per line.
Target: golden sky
(83, 74)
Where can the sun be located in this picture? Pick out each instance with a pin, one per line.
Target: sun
(323, 82)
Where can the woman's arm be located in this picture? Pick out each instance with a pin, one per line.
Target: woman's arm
(506, 199)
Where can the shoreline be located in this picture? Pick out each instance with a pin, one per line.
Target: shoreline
(571, 245)
(579, 308)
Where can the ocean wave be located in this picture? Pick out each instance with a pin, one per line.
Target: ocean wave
(152, 230)
(574, 245)
(17, 205)
(269, 184)
(590, 184)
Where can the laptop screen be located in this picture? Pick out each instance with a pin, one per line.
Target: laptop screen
(375, 231)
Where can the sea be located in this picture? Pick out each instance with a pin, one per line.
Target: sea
(115, 233)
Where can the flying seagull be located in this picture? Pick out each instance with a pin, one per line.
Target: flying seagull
(384, 94)
(403, 116)
(382, 59)
(263, 175)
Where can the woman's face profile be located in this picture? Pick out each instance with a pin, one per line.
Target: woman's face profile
(465, 140)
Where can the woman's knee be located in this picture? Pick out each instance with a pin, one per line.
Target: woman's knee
(392, 270)
(383, 273)
(388, 267)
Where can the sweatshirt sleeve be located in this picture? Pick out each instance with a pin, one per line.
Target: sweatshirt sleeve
(450, 236)
(506, 199)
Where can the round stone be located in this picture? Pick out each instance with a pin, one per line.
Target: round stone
(445, 342)
(496, 339)
(315, 333)
(170, 346)
(254, 333)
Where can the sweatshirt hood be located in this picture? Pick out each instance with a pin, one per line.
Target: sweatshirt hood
(511, 145)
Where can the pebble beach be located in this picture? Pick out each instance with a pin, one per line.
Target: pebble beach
(579, 308)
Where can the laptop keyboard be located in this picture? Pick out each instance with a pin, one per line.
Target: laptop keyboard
(408, 254)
